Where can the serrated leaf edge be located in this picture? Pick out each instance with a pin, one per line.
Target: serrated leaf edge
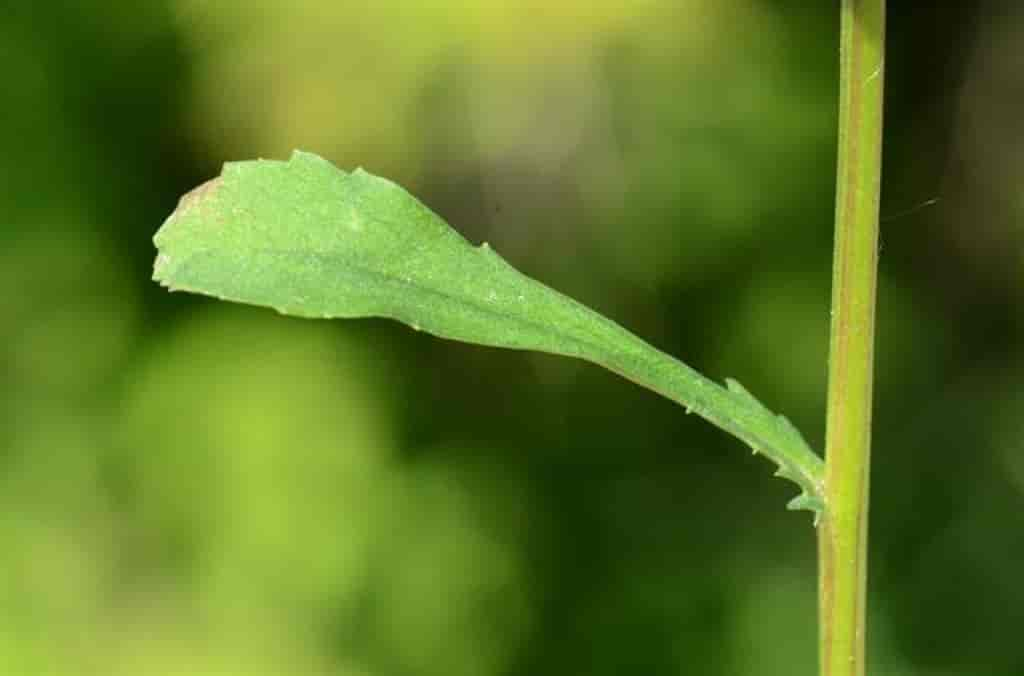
(797, 463)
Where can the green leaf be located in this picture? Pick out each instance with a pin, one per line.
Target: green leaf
(311, 240)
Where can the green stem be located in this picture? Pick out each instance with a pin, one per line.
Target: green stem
(843, 530)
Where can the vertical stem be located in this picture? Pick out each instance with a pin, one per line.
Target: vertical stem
(843, 530)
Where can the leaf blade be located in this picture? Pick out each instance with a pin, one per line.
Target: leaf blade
(308, 239)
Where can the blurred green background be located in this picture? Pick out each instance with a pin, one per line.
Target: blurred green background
(189, 487)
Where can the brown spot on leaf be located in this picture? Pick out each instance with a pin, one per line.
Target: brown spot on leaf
(194, 197)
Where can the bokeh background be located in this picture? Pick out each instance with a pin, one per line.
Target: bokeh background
(188, 487)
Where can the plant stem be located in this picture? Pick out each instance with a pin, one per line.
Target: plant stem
(843, 530)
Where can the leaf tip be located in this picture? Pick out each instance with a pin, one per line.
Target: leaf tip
(195, 197)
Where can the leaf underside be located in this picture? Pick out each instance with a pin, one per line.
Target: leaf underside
(310, 240)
